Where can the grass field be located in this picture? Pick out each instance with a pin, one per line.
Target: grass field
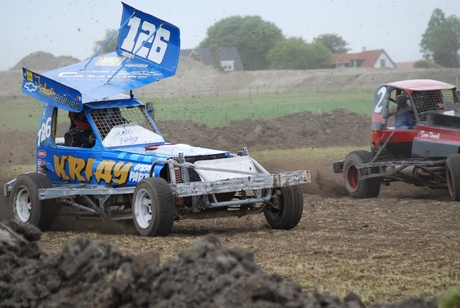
(22, 113)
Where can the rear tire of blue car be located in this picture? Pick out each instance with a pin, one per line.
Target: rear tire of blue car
(453, 176)
(25, 204)
(286, 209)
(153, 207)
(368, 188)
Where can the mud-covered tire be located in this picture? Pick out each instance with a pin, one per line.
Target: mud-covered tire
(369, 188)
(25, 204)
(288, 210)
(153, 207)
(453, 176)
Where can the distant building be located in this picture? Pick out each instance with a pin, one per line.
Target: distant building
(229, 57)
(367, 58)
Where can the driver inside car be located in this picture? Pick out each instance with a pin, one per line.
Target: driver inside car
(80, 133)
(403, 117)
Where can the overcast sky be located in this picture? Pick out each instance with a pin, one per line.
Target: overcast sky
(70, 28)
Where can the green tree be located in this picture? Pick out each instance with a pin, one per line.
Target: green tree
(252, 36)
(441, 40)
(295, 53)
(111, 46)
(333, 42)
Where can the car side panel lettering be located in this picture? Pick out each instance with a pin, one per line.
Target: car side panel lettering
(76, 169)
(59, 167)
(76, 166)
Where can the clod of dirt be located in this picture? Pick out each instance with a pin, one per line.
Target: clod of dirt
(95, 274)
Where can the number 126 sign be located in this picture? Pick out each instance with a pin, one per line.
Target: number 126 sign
(148, 37)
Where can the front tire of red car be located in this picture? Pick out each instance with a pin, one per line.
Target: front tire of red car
(453, 176)
(153, 207)
(368, 188)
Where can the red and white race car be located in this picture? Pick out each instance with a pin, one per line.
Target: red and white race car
(415, 138)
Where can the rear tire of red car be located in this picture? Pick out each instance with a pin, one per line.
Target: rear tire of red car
(287, 210)
(453, 176)
(25, 204)
(153, 207)
(369, 188)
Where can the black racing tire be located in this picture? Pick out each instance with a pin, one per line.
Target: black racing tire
(288, 208)
(153, 207)
(298, 205)
(453, 176)
(369, 188)
(25, 204)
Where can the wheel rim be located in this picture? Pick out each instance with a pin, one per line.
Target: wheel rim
(22, 205)
(143, 209)
(352, 177)
(278, 201)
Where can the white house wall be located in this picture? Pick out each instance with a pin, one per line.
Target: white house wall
(388, 62)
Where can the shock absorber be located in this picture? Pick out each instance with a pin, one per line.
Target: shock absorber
(177, 174)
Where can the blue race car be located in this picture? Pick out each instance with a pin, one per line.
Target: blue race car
(113, 163)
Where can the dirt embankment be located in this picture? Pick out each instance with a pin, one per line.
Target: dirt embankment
(96, 274)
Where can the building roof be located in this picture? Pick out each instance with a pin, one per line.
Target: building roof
(367, 58)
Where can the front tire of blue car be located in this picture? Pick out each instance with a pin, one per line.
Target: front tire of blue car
(25, 204)
(286, 208)
(153, 207)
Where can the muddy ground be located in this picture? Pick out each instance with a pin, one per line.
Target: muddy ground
(384, 249)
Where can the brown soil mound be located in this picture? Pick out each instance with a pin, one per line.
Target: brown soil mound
(44, 61)
(339, 127)
(95, 274)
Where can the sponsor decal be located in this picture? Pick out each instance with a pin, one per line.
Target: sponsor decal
(74, 169)
(40, 164)
(140, 172)
(42, 153)
(430, 135)
(36, 86)
(102, 74)
(109, 61)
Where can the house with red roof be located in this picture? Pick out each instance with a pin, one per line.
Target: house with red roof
(367, 58)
